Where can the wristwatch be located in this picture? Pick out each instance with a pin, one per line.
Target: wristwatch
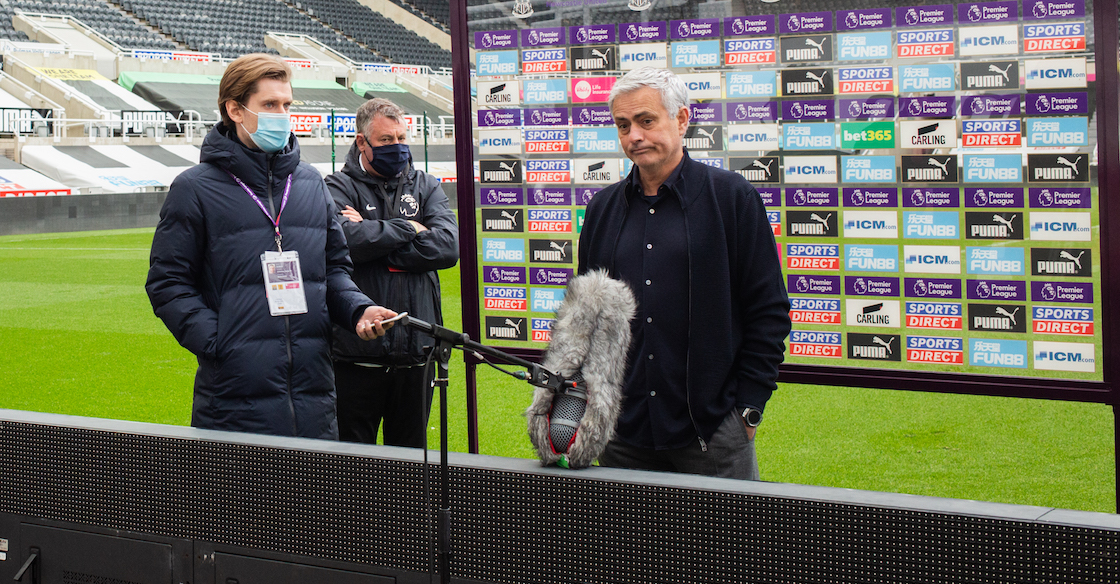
(751, 417)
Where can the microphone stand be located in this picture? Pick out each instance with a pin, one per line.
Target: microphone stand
(447, 339)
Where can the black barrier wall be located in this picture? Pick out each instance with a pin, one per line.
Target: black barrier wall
(111, 501)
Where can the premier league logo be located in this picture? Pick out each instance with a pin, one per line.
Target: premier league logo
(1048, 291)
(538, 196)
(489, 118)
(1039, 9)
(974, 14)
(851, 20)
(737, 26)
(915, 107)
(585, 116)
(794, 23)
(522, 8)
(1043, 104)
(799, 197)
(1046, 198)
(920, 288)
(632, 32)
(492, 198)
(796, 110)
(980, 198)
(537, 117)
(495, 275)
(860, 286)
(857, 198)
(682, 30)
(983, 290)
(977, 106)
(802, 285)
(911, 17)
(542, 277)
(534, 38)
(581, 35)
(409, 205)
(854, 109)
(487, 42)
(918, 198)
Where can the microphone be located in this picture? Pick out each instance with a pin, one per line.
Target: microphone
(590, 340)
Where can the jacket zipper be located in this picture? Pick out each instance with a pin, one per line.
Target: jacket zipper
(287, 321)
(687, 390)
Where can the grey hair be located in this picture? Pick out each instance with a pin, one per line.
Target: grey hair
(377, 106)
(674, 93)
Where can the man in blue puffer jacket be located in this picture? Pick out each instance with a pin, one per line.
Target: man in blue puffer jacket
(263, 357)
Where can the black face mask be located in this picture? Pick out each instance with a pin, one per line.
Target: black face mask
(389, 160)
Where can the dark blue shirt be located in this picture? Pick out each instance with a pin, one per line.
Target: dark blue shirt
(652, 257)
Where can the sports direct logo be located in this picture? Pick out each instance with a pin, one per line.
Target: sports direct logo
(550, 220)
(801, 256)
(544, 60)
(925, 43)
(866, 79)
(814, 310)
(992, 132)
(549, 171)
(542, 329)
(944, 350)
(815, 344)
(1056, 320)
(1044, 38)
(546, 141)
(505, 298)
(934, 315)
(749, 51)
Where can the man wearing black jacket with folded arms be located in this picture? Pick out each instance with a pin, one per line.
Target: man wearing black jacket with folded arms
(695, 245)
(400, 230)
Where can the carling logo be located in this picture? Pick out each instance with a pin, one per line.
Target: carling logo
(872, 312)
(596, 171)
(1003, 318)
(993, 225)
(1049, 261)
(874, 347)
(1057, 320)
(871, 258)
(934, 315)
(932, 259)
(931, 224)
(998, 353)
(499, 93)
(811, 223)
(1060, 226)
(1078, 357)
(871, 224)
(816, 343)
(939, 350)
(806, 256)
(814, 310)
(927, 134)
(1004, 261)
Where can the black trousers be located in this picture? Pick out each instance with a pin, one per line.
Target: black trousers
(400, 396)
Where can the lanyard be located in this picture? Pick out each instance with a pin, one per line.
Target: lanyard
(283, 203)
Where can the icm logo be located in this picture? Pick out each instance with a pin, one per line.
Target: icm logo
(998, 353)
(810, 169)
(871, 224)
(1079, 357)
(1056, 73)
(932, 259)
(1060, 226)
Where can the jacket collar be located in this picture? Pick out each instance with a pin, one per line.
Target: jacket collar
(676, 181)
(222, 149)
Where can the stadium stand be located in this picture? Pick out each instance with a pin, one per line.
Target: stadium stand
(93, 13)
(437, 12)
(393, 41)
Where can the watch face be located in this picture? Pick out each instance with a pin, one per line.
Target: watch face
(752, 417)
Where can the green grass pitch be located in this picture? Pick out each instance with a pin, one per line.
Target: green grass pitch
(77, 336)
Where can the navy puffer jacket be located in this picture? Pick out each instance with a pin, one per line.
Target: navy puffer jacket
(256, 372)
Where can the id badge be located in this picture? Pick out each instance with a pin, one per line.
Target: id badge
(283, 283)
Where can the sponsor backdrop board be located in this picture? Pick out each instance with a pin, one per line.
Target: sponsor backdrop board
(929, 171)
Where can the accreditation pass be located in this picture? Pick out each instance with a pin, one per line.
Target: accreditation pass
(283, 283)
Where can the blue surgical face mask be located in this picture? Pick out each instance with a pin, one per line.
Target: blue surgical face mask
(272, 130)
(389, 160)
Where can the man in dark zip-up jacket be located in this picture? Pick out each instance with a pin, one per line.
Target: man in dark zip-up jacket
(401, 230)
(696, 247)
(256, 372)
